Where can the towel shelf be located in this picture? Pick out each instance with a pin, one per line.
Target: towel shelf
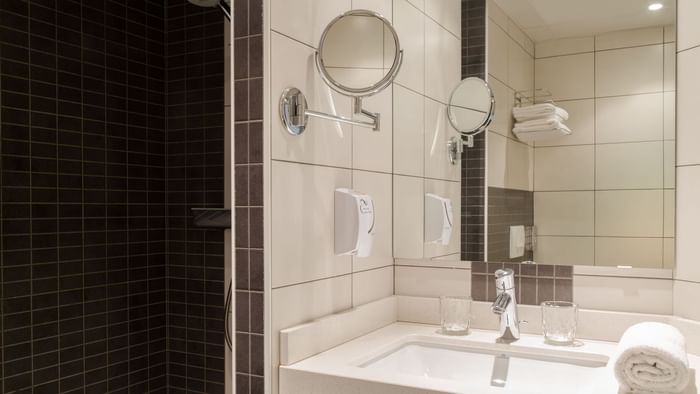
(531, 97)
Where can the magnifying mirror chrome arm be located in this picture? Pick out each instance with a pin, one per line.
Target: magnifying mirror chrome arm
(295, 114)
(455, 146)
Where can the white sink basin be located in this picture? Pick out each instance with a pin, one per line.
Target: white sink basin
(500, 366)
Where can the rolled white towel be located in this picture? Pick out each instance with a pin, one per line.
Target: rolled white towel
(651, 358)
(539, 111)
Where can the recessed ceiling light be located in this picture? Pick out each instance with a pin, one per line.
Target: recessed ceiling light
(655, 6)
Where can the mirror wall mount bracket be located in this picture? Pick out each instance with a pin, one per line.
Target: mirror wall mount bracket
(295, 113)
(455, 147)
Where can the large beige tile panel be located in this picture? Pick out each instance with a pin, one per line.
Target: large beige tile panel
(688, 116)
(373, 150)
(687, 229)
(448, 13)
(670, 33)
(409, 23)
(566, 77)
(635, 165)
(452, 191)
(629, 213)
(379, 187)
(497, 42)
(323, 142)
(303, 223)
(408, 217)
(420, 4)
(437, 132)
(564, 168)
(581, 122)
(521, 68)
(629, 71)
(669, 67)
(565, 250)
(685, 295)
(432, 282)
(502, 118)
(669, 213)
(564, 213)
(630, 118)
(564, 46)
(304, 20)
(624, 294)
(496, 160)
(441, 76)
(408, 131)
(687, 24)
(669, 164)
(519, 165)
(629, 38)
(383, 7)
(522, 39)
(496, 14)
(669, 252)
(302, 303)
(669, 115)
(635, 252)
(372, 285)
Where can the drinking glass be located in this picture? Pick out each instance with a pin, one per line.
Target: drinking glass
(559, 319)
(455, 313)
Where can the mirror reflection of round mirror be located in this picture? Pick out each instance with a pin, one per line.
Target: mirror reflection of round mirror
(471, 106)
(359, 53)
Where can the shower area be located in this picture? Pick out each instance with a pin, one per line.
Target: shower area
(114, 125)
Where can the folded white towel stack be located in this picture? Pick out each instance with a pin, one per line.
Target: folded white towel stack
(651, 358)
(540, 121)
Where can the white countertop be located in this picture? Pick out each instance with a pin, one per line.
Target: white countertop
(336, 370)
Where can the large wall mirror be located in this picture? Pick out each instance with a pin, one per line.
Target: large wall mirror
(598, 189)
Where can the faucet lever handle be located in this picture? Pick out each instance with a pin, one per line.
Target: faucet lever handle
(500, 304)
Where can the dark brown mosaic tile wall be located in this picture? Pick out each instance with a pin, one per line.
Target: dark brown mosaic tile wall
(82, 196)
(534, 283)
(508, 207)
(473, 159)
(248, 146)
(195, 108)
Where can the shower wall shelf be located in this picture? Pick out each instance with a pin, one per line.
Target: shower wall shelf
(211, 217)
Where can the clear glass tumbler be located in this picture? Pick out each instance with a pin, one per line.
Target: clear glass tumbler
(455, 313)
(559, 319)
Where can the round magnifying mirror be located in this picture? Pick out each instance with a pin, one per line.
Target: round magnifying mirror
(359, 53)
(471, 106)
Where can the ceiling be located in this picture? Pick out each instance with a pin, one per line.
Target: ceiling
(551, 19)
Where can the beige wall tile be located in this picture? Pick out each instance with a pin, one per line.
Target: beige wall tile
(503, 114)
(565, 250)
(637, 165)
(629, 213)
(303, 223)
(408, 131)
(636, 252)
(687, 229)
(383, 7)
(670, 33)
(372, 285)
(687, 24)
(688, 116)
(497, 42)
(669, 67)
(521, 67)
(669, 253)
(565, 46)
(519, 165)
(420, 4)
(669, 164)
(432, 282)
(624, 294)
(629, 71)
(564, 168)
(669, 115)
(438, 131)
(379, 187)
(581, 122)
(442, 76)
(496, 14)
(373, 150)
(496, 160)
(629, 118)
(629, 38)
(448, 13)
(409, 23)
(566, 77)
(452, 191)
(408, 217)
(564, 213)
(304, 20)
(323, 142)
(669, 213)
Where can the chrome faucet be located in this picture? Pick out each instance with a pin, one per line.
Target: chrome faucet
(506, 306)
